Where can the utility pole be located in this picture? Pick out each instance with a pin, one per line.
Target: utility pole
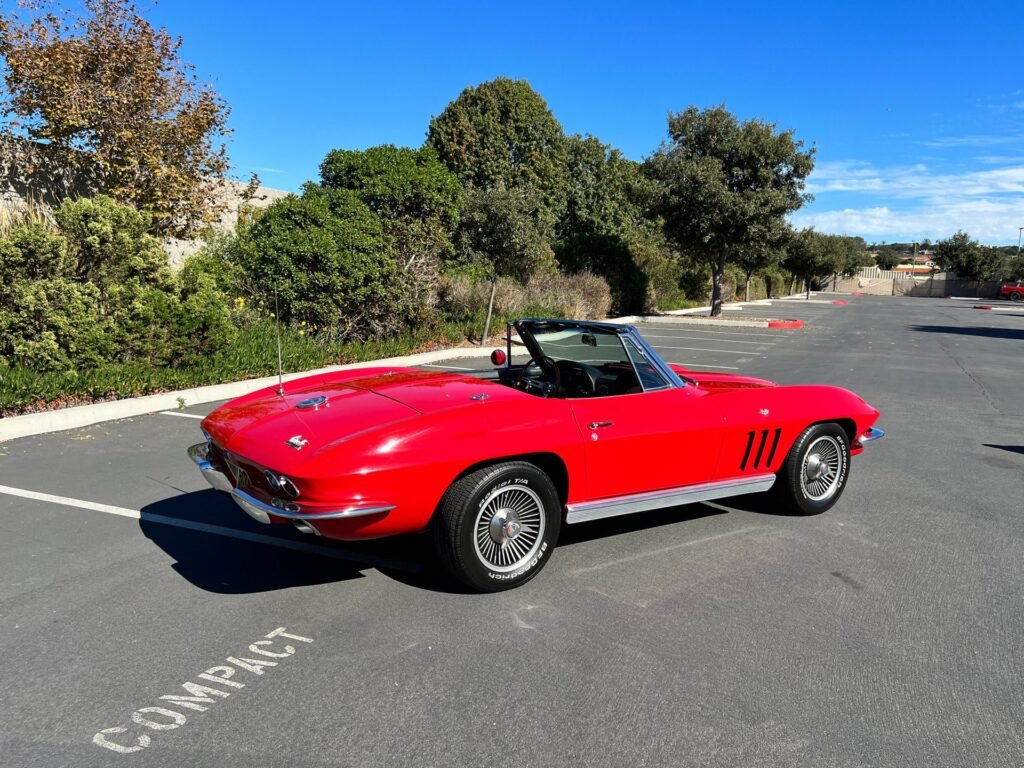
(1019, 230)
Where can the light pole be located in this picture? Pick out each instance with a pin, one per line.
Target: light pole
(1019, 230)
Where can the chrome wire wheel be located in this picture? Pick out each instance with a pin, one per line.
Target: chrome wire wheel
(820, 474)
(509, 528)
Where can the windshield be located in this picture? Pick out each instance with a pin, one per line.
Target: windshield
(581, 345)
(587, 360)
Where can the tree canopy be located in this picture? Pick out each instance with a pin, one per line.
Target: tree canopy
(971, 261)
(727, 186)
(501, 134)
(110, 95)
(416, 197)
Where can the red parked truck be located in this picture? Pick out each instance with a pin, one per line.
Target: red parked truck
(1012, 291)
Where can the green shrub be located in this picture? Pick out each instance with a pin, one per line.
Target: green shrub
(326, 254)
(98, 291)
(108, 242)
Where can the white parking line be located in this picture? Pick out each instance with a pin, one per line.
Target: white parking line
(711, 338)
(216, 530)
(664, 328)
(183, 415)
(705, 349)
(696, 365)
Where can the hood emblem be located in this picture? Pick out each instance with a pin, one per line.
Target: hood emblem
(296, 442)
(763, 411)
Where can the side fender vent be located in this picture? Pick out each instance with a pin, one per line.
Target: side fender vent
(761, 438)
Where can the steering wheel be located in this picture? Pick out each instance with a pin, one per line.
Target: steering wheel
(548, 368)
(578, 377)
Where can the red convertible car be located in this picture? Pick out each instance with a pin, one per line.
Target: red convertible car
(595, 424)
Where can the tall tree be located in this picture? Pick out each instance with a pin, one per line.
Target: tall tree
(109, 95)
(416, 197)
(606, 228)
(971, 261)
(810, 255)
(501, 134)
(727, 185)
(498, 235)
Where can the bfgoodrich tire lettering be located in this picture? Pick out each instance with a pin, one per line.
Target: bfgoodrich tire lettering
(816, 470)
(496, 527)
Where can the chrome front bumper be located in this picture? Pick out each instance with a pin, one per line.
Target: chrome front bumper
(200, 454)
(872, 434)
(263, 512)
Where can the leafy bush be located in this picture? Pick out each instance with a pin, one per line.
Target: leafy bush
(416, 197)
(326, 254)
(98, 291)
(498, 234)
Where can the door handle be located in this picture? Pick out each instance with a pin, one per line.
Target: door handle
(599, 424)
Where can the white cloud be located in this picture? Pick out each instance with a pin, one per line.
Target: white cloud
(914, 181)
(912, 202)
(993, 222)
(980, 140)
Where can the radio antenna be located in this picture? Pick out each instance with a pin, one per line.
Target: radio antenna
(277, 328)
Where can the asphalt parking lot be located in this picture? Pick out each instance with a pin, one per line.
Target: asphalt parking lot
(886, 632)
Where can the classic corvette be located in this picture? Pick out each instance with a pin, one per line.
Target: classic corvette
(594, 424)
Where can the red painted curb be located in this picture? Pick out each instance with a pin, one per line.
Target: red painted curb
(982, 306)
(840, 301)
(785, 323)
(856, 293)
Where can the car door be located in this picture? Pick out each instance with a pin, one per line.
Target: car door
(664, 437)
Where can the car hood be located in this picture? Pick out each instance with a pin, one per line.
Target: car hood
(260, 426)
(713, 383)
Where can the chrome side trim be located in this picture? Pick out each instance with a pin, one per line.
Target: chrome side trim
(257, 510)
(671, 497)
(871, 434)
(200, 454)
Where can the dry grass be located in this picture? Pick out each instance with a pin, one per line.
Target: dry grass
(17, 212)
(584, 296)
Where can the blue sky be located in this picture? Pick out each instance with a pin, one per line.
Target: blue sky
(916, 109)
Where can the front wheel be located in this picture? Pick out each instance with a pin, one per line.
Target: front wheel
(496, 527)
(1015, 296)
(816, 470)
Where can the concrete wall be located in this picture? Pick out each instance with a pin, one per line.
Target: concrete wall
(938, 285)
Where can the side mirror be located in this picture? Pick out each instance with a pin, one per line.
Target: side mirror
(498, 357)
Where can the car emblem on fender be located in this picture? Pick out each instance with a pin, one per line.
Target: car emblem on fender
(297, 442)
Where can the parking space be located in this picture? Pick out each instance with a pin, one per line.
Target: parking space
(886, 632)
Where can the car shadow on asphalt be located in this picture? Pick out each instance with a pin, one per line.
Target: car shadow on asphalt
(220, 559)
(989, 333)
(1010, 448)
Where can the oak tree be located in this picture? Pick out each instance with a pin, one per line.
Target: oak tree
(727, 185)
(109, 96)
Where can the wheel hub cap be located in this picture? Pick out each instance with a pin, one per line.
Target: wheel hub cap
(822, 469)
(509, 528)
(814, 467)
(505, 526)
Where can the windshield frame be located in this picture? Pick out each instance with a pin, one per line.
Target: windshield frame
(527, 326)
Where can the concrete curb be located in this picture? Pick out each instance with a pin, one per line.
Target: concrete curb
(44, 422)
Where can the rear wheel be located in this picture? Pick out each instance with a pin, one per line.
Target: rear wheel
(816, 469)
(496, 527)
(1015, 296)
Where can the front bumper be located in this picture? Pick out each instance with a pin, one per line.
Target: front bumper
(872, 434)
(200, 454)
(263, 512)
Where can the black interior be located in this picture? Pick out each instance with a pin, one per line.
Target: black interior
(568, 378)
